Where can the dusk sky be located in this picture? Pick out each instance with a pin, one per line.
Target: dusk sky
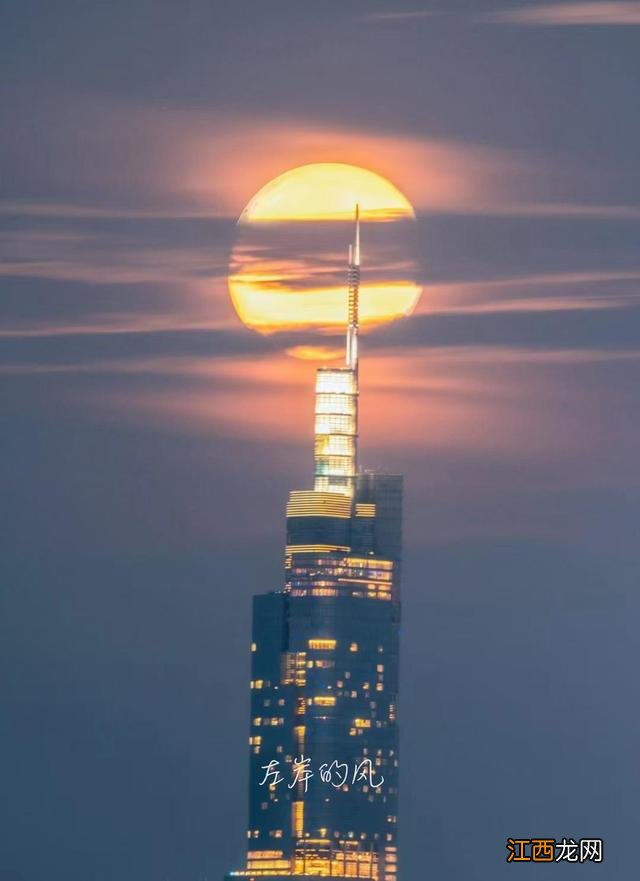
(149, 438)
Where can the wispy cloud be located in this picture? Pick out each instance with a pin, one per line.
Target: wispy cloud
(209, 164)
(598, 13)
(543, 328)
(80, 211)
(408, 15)
(464, 400)
(605, 12)
(153, 254)
(538, 292)
(556, 209)
(103, 257)
(108, 325)
(88, 259)
(202, 312)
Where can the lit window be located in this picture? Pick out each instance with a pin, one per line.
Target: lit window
(324, 701)
(327, 644)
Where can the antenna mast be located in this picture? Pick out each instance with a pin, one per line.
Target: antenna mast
(353, 280)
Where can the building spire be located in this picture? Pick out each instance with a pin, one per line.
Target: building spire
(353, 280)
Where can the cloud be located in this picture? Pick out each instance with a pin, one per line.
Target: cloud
(557, 209)
(66, 275)
(142, 161)
(129, 351)
(66, 210)
(409, 15)
(467, 404)
(111, 324)
(599, 13)
(457, 387)
(104, 259)
(537, 292)
(605, 328)
(549, 14)
(130, 235)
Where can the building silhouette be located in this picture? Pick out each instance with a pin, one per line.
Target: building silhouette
(323, 784)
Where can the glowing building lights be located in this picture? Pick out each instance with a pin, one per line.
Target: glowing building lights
(324, 700)
(308, 503)
(323, 644)
(337, 382)
(336, 430)
(301, 549)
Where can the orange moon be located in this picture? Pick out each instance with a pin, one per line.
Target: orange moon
(287, 266)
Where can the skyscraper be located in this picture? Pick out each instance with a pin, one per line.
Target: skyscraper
(323, 786)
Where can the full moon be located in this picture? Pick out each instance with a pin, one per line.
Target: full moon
(287, 271)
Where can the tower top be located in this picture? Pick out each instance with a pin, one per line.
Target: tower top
(353, 281)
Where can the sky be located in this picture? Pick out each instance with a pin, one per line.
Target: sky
(149, 439)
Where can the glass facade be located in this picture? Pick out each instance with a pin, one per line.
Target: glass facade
(336, 430)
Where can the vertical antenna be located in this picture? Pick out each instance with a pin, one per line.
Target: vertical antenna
(353, 280)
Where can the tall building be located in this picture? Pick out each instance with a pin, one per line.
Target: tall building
(323, 785)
